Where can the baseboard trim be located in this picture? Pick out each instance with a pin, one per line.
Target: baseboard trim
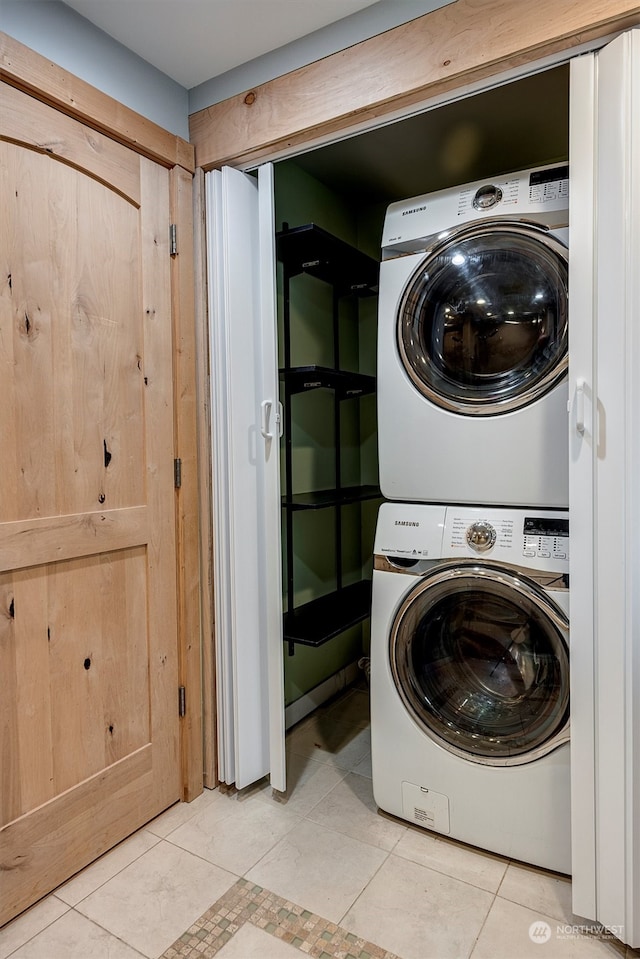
(320, 694)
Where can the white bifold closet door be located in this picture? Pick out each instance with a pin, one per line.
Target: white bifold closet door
(246, 426)
(604, 350)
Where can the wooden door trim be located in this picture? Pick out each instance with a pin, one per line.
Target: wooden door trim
(186, 413)
(203, 392)
(442, 51)
(27, 70)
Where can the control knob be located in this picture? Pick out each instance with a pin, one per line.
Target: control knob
(486, 197)
(481, 536)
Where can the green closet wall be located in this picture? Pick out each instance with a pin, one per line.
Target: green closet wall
(300, 199)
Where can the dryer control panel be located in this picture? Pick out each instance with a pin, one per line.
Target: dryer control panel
(540, 195)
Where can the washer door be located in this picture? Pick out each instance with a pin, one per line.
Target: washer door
(479, 657)
(482, 323)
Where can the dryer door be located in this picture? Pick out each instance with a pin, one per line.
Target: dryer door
(480, 659)
(482, 323)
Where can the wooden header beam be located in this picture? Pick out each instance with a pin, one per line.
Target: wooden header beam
(466, 41)
(46, 81)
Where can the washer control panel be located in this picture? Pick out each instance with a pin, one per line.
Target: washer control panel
(522, 537)
(531, 538)
(546, 538)
(478, 533)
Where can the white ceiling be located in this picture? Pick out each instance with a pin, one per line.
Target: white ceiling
(194, 40)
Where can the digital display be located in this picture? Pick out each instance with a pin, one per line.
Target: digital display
(547, 526)
(549, 176)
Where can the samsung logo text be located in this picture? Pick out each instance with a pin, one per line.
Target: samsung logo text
(415, 209)
(405, 522)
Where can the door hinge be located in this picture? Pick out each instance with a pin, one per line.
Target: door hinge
(177, 472)
(173, 240)
(182, 702)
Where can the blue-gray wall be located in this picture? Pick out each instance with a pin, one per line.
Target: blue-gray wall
(63, 36)
(59, 33)
(322, 43)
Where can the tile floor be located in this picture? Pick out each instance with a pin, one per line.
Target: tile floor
(321, 873)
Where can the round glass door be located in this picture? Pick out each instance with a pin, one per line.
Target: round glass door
(480, 660)
(482, 325)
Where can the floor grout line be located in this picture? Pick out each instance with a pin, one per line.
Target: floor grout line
(484, 922)
(363, 890)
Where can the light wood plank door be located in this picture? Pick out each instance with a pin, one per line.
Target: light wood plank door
(89, 735)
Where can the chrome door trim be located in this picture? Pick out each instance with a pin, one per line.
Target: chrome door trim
(518, 227)
(444, 573)
(546, 579)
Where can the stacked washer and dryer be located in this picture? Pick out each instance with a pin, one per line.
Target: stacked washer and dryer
(470, 630)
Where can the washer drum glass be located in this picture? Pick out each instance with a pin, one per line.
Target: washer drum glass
(482, 325)
(480, 659)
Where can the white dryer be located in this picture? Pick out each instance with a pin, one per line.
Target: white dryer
(470, 676)
(472, 343)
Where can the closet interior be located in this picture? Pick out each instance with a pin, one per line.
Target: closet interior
(330, 204)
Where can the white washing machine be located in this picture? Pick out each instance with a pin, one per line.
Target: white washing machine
(472, 343)
(470, 676)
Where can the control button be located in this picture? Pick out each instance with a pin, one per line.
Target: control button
(481, 536)
(558, 555)
(528, 552)
(544, 554)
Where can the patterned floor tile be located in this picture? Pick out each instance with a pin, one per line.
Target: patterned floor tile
(287, 921)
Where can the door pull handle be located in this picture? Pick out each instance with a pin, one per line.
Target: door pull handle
(265, 415)
(580, 387)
